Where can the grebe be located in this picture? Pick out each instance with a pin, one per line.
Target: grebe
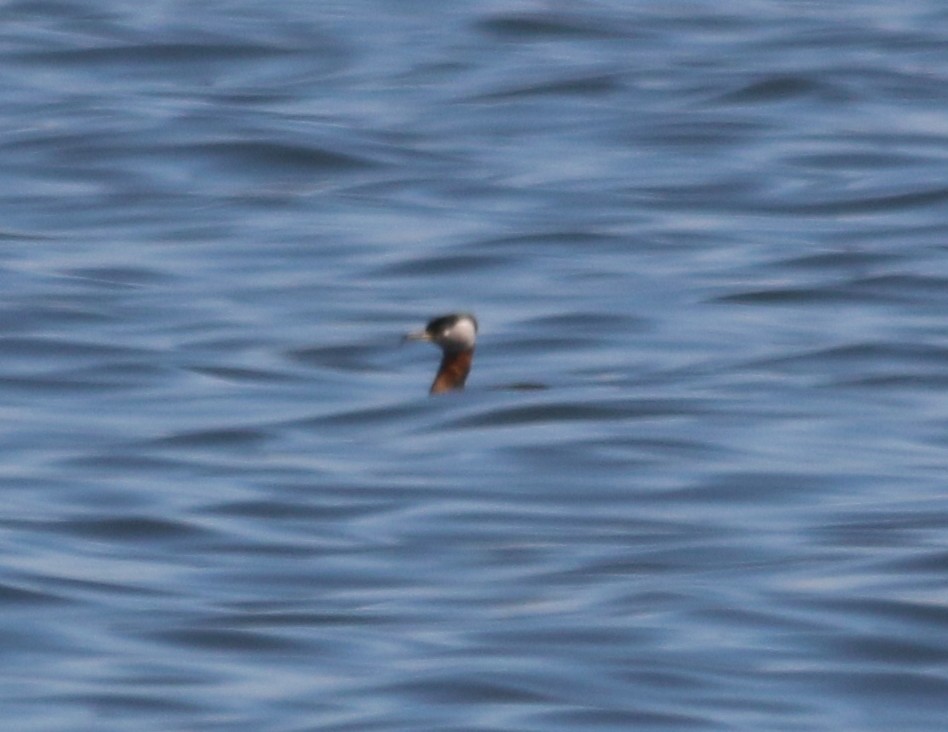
(455, 334)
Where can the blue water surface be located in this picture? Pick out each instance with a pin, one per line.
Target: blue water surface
(698, 477)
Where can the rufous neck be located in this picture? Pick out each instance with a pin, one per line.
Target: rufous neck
(455, 366)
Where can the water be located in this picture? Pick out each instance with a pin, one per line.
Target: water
(710, 239)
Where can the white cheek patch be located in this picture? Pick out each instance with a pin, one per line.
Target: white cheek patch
(462, 333)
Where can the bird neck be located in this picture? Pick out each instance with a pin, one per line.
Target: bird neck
(452, 373)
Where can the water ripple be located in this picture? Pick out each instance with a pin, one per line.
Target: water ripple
(696, 477)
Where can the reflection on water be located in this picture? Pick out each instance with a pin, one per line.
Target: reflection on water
(696, 479)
